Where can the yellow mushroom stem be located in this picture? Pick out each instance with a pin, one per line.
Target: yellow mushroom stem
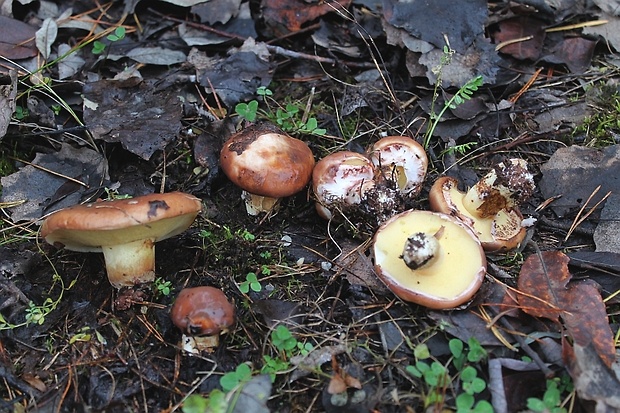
(421, 249)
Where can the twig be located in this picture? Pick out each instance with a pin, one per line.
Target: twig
(579, 219)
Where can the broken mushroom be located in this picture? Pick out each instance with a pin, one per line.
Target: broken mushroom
(429, 258)
(340, 180)
(267, 165)
(202, 314)
(400, 160)
(490, 207)
(125, 230)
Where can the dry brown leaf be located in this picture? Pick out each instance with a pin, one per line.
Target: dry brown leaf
(545, 292)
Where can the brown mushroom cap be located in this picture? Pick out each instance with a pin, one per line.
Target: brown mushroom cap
(263, 160)
(202, 311)
(450, 279)
(402, 160)
(502, 231)
(125, 230)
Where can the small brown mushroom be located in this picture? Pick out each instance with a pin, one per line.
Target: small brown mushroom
(203, 312)
(429, 258)
(267, 165)
(125, 230)
(490, 207)
(401, 160)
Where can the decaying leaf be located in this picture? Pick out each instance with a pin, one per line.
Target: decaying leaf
(41, 192)
(341, 380)
(46, 36)
(460, 22)
(8, 92)
(17, 40)
(542, 283)
(545, 292)
(142, 118)
(293, 14)
(519, 28)
(575, 52)
(592, 377)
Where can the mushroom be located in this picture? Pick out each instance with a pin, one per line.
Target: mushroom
(125, 230)
(202, 314)
(429, 258)
(490, 207)
(340, 180)
(267, 165)
(400, 160)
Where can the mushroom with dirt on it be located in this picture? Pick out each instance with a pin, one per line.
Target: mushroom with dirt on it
(125, 230)
(267, 165)
(401, 160)
(490, 207)
(340, 181)
(202, 314)
(429, 258)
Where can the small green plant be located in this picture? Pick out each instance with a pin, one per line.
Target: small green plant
(463, 94)
(289, 117)
(551, 401)
(215, 403)
(283, 339)
(251, 283)
(232, 379)
(437, 376)
(162, 287)
(119, 34)
(21, 113)
(274, 366)
(36, 314)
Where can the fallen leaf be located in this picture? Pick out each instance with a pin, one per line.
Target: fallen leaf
(518, 28)
(545, 292)
(46, 36)
(575, 52)
(575, 171)
(461, 22)
(592, 377)
(293, 14)
(17, 41)
(340, 380)
(142, 118)
(542, 284)
(156, 56)
(7, 102)
(37, 187)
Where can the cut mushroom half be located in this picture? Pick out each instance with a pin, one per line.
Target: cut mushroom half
(490, 207)
(429, 258)
(401, 160)
(341, 180)
(267, 165)
(125, 230)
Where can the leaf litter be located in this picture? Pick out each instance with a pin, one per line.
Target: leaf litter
(167, 91)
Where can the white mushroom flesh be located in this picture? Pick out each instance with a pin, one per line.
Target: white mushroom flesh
(349, 183)
(400, 164)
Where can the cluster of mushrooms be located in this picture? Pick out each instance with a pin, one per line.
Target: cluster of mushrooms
(436, 259)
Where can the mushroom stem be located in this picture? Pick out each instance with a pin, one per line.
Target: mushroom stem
(420, 250)
(131, 263)
(255, 204)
